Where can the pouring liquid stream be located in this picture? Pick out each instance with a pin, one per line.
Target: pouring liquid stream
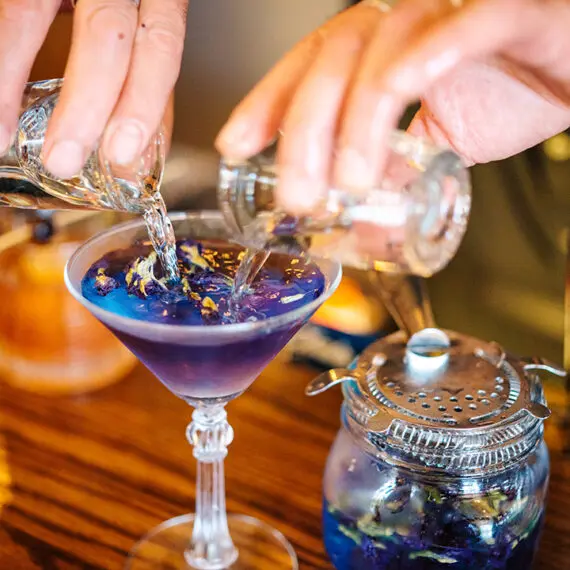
(162, 236)
(250, 265)
(19, 193)
(25, 182)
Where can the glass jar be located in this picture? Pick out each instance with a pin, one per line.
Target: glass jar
(440, 462)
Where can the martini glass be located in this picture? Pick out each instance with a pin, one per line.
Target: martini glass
(207, 366)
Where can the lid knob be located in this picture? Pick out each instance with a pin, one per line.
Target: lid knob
(427, 353)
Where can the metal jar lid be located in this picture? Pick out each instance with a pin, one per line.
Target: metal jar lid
(443, 401)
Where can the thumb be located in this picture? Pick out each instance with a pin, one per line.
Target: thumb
(425, 126)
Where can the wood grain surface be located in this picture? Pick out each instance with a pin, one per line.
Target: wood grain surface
(81, 479)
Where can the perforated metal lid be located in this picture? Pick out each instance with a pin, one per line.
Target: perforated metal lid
(443, 400)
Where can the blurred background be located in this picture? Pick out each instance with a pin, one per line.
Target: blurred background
(506, 283)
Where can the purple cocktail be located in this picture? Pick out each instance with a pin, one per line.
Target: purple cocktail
(126, 282)
(207, 347)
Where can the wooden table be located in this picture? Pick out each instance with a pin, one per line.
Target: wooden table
(82, 479)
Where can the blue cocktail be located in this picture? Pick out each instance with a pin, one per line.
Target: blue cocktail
(207, 349)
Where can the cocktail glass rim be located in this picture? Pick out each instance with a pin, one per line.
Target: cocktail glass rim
(207, 334)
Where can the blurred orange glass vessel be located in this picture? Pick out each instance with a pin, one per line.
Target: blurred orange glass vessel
(48, 342)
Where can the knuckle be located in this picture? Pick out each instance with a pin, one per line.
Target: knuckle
(164, 36)
(16, 11)
(109, 19)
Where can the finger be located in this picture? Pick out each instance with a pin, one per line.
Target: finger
(305, 152)
(484, 114)
(425, 126)
(23, 28)
(518, 43)
(103, 35)
(154, 69)
(256, 120)
(457, 37)
(168, 122)
(459, 118)
(372, 110)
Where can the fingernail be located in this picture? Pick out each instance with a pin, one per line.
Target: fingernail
(125, 143)
(5, 139)
(297, 194)
(233, 139)
(65, 159)
(352, 171)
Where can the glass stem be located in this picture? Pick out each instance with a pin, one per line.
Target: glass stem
(210, 434)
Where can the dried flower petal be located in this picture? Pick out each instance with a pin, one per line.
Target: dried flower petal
(94, 269)
(140, 278)
(208, 304)
(193, 255)
(104, 284)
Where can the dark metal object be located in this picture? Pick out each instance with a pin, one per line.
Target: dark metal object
(42, 229)
(407, 300)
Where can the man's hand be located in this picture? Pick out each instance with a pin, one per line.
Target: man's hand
(493, 77)
(122, 67)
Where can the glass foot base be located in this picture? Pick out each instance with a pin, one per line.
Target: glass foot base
(260, 547)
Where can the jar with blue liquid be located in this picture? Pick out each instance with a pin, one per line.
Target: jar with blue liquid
(440, 463)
